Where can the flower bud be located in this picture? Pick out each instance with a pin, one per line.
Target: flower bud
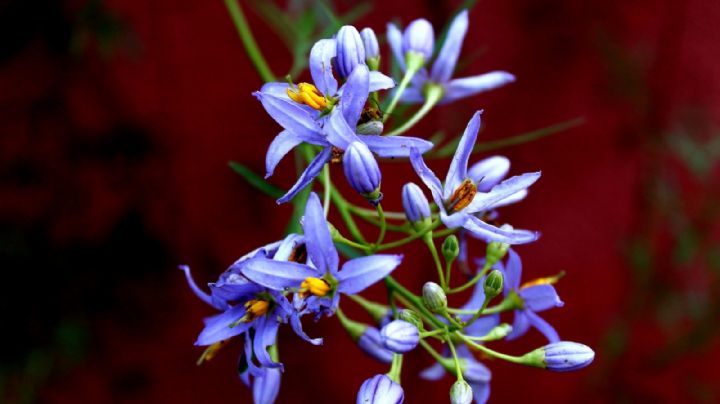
(495, 252)
(350, 51)
(450, 248)
(400, 336)
(380, 389)
(565, 356)
(419, 38)
(417, 208)
(493, 284)
(461, 393)
(372, 49)
(434, 297)
(499, 332)
(362, 172)
(411, 317)
(371, 343)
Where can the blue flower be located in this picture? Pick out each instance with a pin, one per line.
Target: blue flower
(265, 386)
(321, 280)
(536, 296)
(441, 72)
(459, 199)
(566, 356)
(400, 336)
(380, 389)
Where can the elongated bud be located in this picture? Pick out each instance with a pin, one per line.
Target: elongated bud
(489, 172)
(350, 51)
(566, 356)
(372, 344)
(362, 172)
(419, 38)
(416, 206)
(495, 252)
(493, 284)
(434, 297)
(411, 317)
(499, 332)
(400, 336)
(450, 248)
(461, 393)
(372, 49)
(380, 389)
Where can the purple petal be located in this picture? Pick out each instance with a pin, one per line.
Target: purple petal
(445, 62)
(488, 232)
(457, 219)
(266, 387)
(319, 242)
(427, 176)
(338, 131)
(513, 271)
(217, 328)
(481, 392)
(320, 63)
(313, 170)
(355, 94)
(434, 372)
(488, 172)
(379, 81)
(458, 167)
(487, 200)
(514, 198)
(520, 326)
(395, 146)
(412, 95)
(277, 275)
(280, 146)
(540, 297)
(543, 326)
(359, 273)
(394, 38)
(195, 288)
(265, 335)
(469, 86)
(290, 116)
(297, 327)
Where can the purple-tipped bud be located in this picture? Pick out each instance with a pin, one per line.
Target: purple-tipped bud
(461, 393)
(372, 49)
(565, 356)
(488, 172)
(419, 37)
(434, 297)
(350, 51)
(400, 336)
(417, 208)
(380, 389)
(372, 344)
(362, 172)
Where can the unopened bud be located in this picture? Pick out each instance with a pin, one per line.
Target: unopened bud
(419, 38)
(416, 206)
(565, 356)
(372, 344)
(362, 172)
(493, 284)
(499, 332)
(495, 252)
(450, 248)
(461, 393)
(400, 336)
(350, 51)
(380, 389)
(372, 49)
(434, 297)
(411, 317)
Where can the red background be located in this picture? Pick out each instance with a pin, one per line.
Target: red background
(115, 170)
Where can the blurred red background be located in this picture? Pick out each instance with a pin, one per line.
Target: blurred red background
(118, 119)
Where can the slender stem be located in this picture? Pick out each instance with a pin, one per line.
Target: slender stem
(448, 272)
(444, 232)
(472, 281)
(376, 310)
(506, 305)
(346, 216)
(383, 225)
(402, 242)
(490, 352)
(433, 95)
(362, 212)
(395, 368)
(391, 227)
(339, 238)
(414, 300)
(432, 333)
(248, 40)
(431, 351)
(409, 73)
(479, 312)
(436, 257)
(458, 368)
(326, 192)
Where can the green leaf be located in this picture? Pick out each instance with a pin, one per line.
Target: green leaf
(256, 180)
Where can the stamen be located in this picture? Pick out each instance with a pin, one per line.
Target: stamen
(336, 155)
(253, 309)
(462, 197)
(309, 95)
(314, 286)
(211, 351)
(550, 280)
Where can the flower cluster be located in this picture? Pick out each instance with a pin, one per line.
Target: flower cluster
(340, 118)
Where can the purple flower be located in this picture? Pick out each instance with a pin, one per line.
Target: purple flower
(419, 37)
(350, 51)
(362, 172)
(372, 344)
(372, 49)
(459, 199)
(442, 69)
(400, 336)
(380, 389)
(536, 296)
(265, 387)
(320, 281)
(415, 204)
(567, 356)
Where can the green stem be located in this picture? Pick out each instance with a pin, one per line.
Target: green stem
(362, 212)
(433, 95)
(458, 368)
(339, 238)
(326, 192)
(448, 272)
(413, 62)
(432, 333)
(472, 281)
(479, 312)
(436, 257)
(432, 351)
(248, 40)
(402, 242)
(490, 352)
(510, 303)
(414, 300)
(376, 310)
(341, 205)
(383, 225)
(395, 368)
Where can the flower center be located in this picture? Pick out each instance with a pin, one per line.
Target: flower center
(315, 286)
(309, 95)
(299, 254)
(462, 196)
(253, 309)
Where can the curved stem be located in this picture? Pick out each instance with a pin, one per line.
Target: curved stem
(383, 225)
(395, 368)
(472, 281)
(328, 188)
(433, 95)
(402, 242)
(339, 238)
(362, 212)
(346, 216)
(458, 368)
(416, 301)
(248, 40)
(431, 351)
(490, 352)
(436, 257)
(409, 74)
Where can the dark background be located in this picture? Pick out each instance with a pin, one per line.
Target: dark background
(118, 118)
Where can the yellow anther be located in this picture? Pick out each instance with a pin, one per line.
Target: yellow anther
(211, 351)
(254, 309)
(309, 95)
(462, 197)
(549, 280)
(315, 286)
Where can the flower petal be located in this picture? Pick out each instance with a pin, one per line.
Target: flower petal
(290, 116)
(395, 146)
(543, 326)
(320, 65)
(265, 334)
(195, 288)
(297, 327)
(458, 167)
(412, 95)
(445, 62)
(427, 176)
(488, 172)
(266, 387)
(486, 200)
(488, 232)
(217, 328)
(319, 242)
(313, 170)
(359, 273)
(434, 372)
(513, 271)
(394, 38)
(280, 146)
(338, 131)
(514, 198)
(540, 297)
(277, 275)
(520, 325)
(379, 81)
(469, 86)
(481, 392)
(279, 90)
(355, 94)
